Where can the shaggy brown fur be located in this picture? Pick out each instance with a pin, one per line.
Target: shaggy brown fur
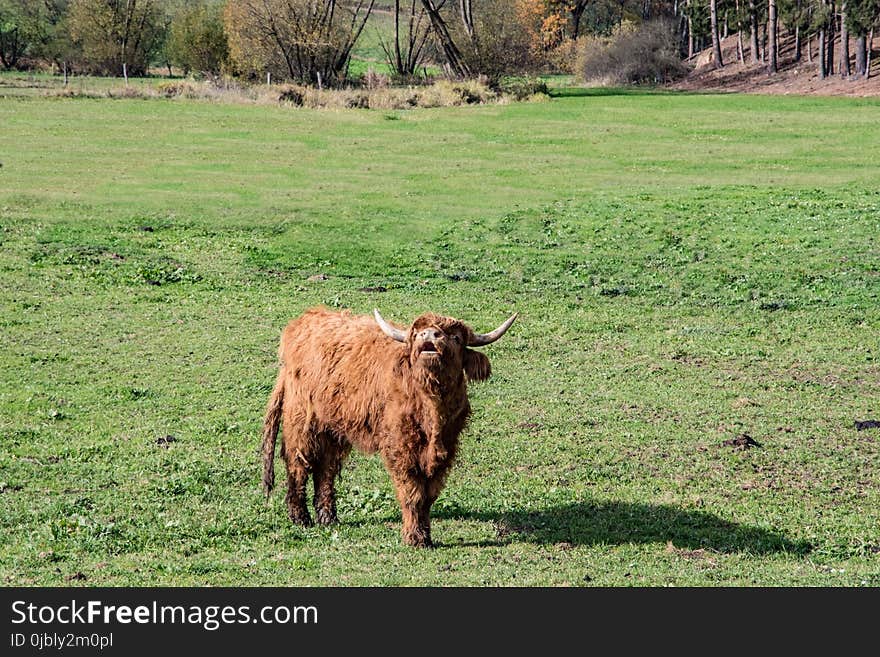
(343, 382)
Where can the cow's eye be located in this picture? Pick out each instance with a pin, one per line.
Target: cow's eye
(456, 338)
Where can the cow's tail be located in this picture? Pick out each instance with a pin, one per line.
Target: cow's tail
(270, 432)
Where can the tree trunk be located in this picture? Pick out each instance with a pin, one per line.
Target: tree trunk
(829, 36)
(398, 59)
(690, 37)
(740, 55)
(690, 23)
(823, 71)
(764, 42)
(861, 54)
(797, 44)
(716, 42)
(577, 10)
(772, 68)
(453, 55)
(870, 48)
(467, 17)
(810, 48)
(844, 43)
(753, 29)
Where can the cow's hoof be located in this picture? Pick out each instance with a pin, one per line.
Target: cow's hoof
(418, 540)
(301, 519)
(325, 517)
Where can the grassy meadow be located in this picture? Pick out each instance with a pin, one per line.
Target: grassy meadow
(690, 270)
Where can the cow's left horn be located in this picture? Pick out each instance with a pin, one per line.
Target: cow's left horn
(481, 339)
(387, 329)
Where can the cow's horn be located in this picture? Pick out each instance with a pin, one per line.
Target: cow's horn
(387, 329)
(481, 339)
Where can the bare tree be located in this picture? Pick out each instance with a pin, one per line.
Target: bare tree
(305, 40)
(485, 37)
(115, 38)
(453, 55)
(406, 53)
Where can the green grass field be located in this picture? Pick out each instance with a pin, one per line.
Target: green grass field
(688, 269)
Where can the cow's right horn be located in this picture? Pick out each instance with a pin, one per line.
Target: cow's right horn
(387, 329)
(481, 339)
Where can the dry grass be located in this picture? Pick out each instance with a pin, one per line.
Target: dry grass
(379, 95)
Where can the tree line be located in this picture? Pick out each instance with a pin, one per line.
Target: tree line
(312, 41)
(821, 30)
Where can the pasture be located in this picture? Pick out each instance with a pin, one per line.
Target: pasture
(698, 282)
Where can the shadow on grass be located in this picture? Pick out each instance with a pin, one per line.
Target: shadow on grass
(619, 522)
(601, 92)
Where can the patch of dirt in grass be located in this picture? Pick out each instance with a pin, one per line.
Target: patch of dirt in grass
(531, 427)
(833, 377)
(742, 442)
(699, 554)
(685, 358)
(503, 529)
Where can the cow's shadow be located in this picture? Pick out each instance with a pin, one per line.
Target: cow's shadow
(615, 523)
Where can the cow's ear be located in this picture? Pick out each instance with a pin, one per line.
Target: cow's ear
(476, 365)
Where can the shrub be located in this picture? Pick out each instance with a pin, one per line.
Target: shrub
(446, 93)
(292, 95)
(564, 57)
(357, 101)
(177, 88)
(521, 88)
(647, 53)
(374, 80)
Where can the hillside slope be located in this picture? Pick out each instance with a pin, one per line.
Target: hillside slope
(794, 77)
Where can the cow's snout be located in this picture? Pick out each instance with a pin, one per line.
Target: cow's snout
(429, 334)
(430, 341)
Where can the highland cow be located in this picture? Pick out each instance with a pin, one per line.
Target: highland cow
(348, 380)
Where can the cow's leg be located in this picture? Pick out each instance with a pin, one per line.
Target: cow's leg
(297, 475)
(326, 471)
(296, 456)
(432, 487)
(411, 495)
(416, 491)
